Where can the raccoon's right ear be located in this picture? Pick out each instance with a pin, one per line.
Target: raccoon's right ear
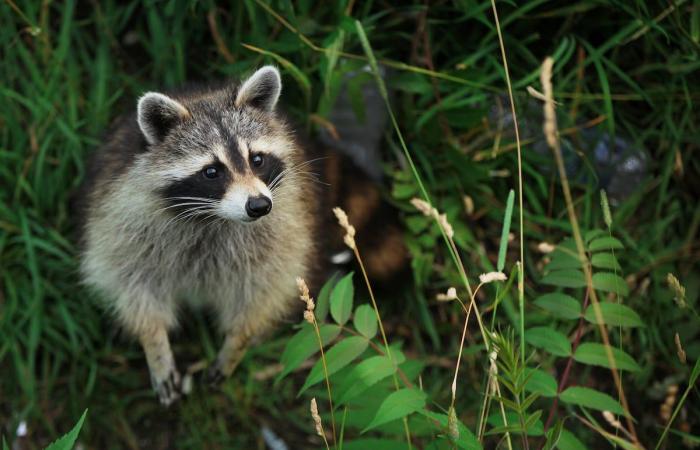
(158, 114)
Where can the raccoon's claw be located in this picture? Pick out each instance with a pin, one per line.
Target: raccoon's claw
(168, 388)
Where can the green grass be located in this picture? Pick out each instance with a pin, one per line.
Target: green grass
(68, 68)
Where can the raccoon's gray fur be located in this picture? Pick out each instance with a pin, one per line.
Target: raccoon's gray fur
(201, 195)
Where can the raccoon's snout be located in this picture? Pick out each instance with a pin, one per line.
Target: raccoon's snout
(257, 207)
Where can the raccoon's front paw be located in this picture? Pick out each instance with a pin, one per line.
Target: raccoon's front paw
(168, 387)
(215, 374)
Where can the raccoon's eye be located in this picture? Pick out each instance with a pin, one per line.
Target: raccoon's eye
(257, 160)
(210, 172)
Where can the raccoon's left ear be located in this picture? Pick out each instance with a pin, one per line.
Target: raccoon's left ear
(158, 114)
(261, 90)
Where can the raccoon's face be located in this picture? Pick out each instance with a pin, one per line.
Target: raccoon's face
(221, 154)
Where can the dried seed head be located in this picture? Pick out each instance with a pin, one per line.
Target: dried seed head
(610, 418)
(309, 316)
(304, 294)
(679, 349)
(429, 211)
(316, 417)
(468, 205)
(677, 289)
(492, 276)
(423, 206)
(545, 247)
(550, 118)
(667, 407)
(349, 238)
(452, 424)
(451, 294)
(442, 218)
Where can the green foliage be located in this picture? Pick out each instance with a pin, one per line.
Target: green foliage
(67, 441)
(590, 398)
(69, 69)
(341, 299)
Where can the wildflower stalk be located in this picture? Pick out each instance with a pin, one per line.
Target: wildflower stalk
(550, 130)
(349, 240)
(310, 317)
(521, 287)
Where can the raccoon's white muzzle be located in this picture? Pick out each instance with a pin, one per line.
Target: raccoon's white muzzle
(246, 202)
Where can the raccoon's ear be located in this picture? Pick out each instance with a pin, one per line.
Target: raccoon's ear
(158, 114)
(261, 90)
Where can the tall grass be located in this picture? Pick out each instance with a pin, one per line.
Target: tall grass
(628, 69)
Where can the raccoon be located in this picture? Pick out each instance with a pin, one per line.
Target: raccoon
(206, 195)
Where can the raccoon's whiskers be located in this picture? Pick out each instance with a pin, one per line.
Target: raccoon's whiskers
(294, 167)
(188, 214)
(182, 204)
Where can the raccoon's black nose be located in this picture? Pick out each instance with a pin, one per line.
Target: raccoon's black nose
(258, 206)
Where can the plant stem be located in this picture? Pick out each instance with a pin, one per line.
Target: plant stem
(328, 381)
(386, 342)
(553, 141)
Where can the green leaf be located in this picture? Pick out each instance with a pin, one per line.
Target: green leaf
(609, 282)
(397, 405)
(496, 420)
(504, 232)
(615, 314)
(568, 441)
(590, 235)
(560, 305)
(4, 444)
(564, 278)
(541, 382)
(304, 344)
(67, 441)
(324, 298)
(549, 339)
(363, 376)
(366, 321)
(374, 444)
(594, 354)
(564, 257)
(341, 299)
(590, 398)
(604, 243)
(605, 261)
(337, 357)
(466, 439)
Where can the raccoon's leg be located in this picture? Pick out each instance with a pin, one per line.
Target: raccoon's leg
(240, 327)
(231, 353)
(149, 320)
(161, 364)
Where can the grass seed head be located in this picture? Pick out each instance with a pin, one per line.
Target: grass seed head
(349, 238)
(451, 294)
(316, 417)
(304, 294)
(677, 289)
(490, 277)
(679, 349)
(550, 118)
(452, 424)
(610, 418)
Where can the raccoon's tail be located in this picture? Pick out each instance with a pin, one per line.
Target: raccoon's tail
(379, 235)
(354, 173)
